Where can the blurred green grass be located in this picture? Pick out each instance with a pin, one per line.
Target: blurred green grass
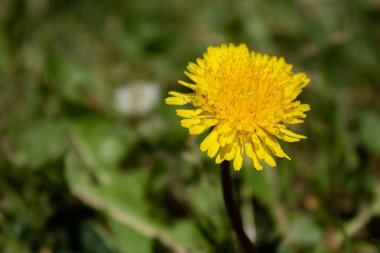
(80, 173)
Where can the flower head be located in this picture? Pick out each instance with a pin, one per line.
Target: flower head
(247, 98)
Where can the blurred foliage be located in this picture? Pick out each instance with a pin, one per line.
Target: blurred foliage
(79, 175)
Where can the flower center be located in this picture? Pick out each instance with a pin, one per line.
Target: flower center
(245, 95)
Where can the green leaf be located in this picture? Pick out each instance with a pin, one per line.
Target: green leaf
(304, 230)
(370, 132)
(41, 143)
(121, 197)
(206, 199)
(104, 142)
(126, 240)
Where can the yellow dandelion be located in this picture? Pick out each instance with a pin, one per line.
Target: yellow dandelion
(247, 98)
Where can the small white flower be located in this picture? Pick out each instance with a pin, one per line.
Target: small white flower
(136, 99)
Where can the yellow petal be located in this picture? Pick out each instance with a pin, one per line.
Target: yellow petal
(238, 161)
(226, 137)
(293, 121)
(177, 101)
(252, 154)
(193, 77)
(304, 107)
(256, 163)
(179, 98)
(181, 95)
(211, 138)
(222, 153)
(188, 85)
(269, 159)
(198, 129)
(229, 138)
(213, 150)
(188, 113)
(291, 134)
(200, 62)
(255, 138)
(190, 122)
(249, 149)
(259, 149)
(219, 159)
(195, 69)
(224, 128)
(231, 154)
(286, 138)
(203, 125)
(265, 137)
(278, 151)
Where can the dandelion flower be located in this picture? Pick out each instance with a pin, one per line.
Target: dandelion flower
(247, 99)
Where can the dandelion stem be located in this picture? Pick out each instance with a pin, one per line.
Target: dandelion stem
(232, 209)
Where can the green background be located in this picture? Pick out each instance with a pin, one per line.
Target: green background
(77, 175)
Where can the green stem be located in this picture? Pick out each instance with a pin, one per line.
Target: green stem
(232, 210)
